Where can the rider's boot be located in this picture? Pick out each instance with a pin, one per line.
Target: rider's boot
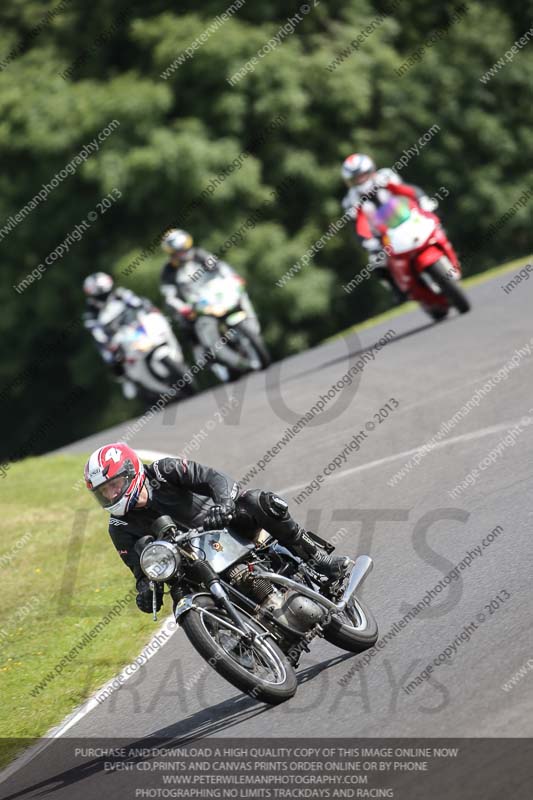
(271, 512)
(330, 566)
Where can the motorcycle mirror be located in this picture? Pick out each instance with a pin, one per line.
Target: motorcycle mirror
(141, 543)
(161, 525)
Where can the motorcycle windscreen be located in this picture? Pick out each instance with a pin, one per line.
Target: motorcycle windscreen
(409, 235)
(218, 296)
(392, 213)
(221, 548)
(134, 337)
(155, 326)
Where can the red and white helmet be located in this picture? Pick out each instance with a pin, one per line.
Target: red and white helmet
(115, 475)
(357, 169)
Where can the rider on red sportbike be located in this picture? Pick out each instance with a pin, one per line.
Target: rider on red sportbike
(406, 242)
(369, 188)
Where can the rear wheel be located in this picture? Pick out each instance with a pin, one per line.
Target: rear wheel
(440, 273)
(257, 667)
(354, 629)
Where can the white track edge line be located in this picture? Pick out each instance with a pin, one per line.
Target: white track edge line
(91, 703)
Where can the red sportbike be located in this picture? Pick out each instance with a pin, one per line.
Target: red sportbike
(420, 258)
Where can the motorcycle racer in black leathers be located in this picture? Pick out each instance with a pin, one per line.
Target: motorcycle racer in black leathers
(193, 495)
(187, 268)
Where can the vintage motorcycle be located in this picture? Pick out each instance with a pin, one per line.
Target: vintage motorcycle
(420, 257)
(250, 607)
(146, 347)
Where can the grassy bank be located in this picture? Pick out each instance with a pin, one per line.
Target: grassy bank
(61, 576)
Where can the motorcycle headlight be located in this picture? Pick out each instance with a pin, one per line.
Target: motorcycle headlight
(160, 561)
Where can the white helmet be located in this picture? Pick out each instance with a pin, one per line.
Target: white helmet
(98, 286)
(357, 169)
(176, 242)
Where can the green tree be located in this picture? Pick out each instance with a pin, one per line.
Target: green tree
(67, 70)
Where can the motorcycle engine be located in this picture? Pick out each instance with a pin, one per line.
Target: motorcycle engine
(288, 607)
(293, 609)
(252, 586)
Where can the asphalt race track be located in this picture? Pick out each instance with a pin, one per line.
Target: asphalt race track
(415, 531)
(431, 370)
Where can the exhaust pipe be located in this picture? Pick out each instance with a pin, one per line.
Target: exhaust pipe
(301, 588)
(362, 567)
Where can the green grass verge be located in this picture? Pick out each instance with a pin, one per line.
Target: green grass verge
(62, 580)
(398, 311)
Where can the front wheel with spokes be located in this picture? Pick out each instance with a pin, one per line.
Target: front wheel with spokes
(253, 663)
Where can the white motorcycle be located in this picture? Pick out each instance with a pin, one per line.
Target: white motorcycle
(149, 352)
(225, 299)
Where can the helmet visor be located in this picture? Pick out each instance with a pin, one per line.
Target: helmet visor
(168, 248)
(174, 250)
(109, 493)
(357, 180)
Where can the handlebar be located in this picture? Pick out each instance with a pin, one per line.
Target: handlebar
(186, 534)
(164, 527)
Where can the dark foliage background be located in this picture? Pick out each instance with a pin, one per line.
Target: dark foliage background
(176, 135)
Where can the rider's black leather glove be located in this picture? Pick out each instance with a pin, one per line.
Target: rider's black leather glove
(218, 516)
(144, 598)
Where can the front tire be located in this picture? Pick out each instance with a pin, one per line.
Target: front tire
(439, 272)
(354, 630)
(261, 670)
(176, 373)
(256, 340)
(437, 313)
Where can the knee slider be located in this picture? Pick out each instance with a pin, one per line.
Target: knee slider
(273, 505)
